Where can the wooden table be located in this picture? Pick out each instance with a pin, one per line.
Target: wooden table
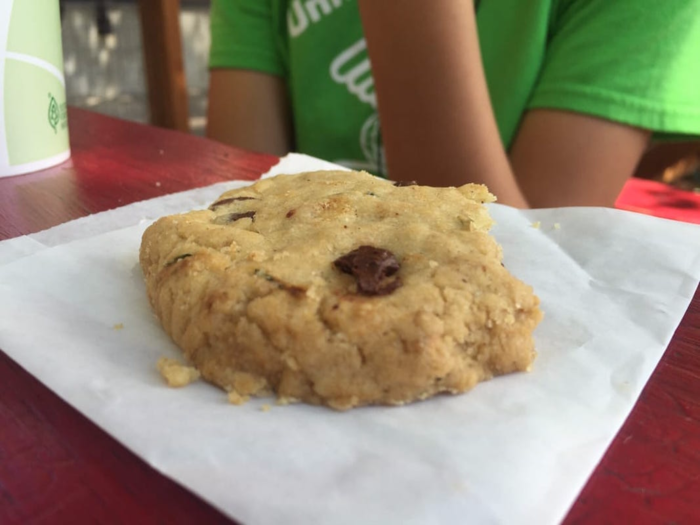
(58, 467)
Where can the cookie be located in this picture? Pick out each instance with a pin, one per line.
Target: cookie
(340, 288)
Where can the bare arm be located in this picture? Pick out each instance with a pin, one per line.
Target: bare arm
(249, 110)
(569, 159)
(438, 124)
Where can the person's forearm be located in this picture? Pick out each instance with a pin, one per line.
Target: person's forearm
(249, 110)
(437, 123)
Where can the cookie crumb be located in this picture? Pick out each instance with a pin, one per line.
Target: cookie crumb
(118, 326)
(236, 399)
(248, 384)
(466, 222)
(157, 184)
(557, 226)
(265, 408)
(175, 373)
(536, 225)
(284, 401)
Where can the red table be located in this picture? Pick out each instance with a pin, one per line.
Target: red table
(58, 467)
(659, 199)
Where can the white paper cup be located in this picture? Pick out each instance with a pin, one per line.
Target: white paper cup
(33, 119)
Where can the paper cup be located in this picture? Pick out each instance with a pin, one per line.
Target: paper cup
(33, 119)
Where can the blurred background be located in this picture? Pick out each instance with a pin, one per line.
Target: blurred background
(104, 62)
(146, 61)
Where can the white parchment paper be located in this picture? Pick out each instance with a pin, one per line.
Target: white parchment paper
(614, 285)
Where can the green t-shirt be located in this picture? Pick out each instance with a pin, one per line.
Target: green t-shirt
(631, 61)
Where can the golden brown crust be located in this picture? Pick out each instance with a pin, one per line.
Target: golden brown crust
(250, 292)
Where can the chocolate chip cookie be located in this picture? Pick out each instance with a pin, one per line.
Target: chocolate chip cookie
(340, 288)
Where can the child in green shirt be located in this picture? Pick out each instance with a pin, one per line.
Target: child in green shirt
(548, 102)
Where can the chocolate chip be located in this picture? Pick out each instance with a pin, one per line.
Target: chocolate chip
(293, 289)
(233, 217)
(290, 214)
(402, 183)
(229, 200)
(296, 291)
(371, 267)
(178, 258)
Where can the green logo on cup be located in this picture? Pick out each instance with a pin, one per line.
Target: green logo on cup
(53, 113)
